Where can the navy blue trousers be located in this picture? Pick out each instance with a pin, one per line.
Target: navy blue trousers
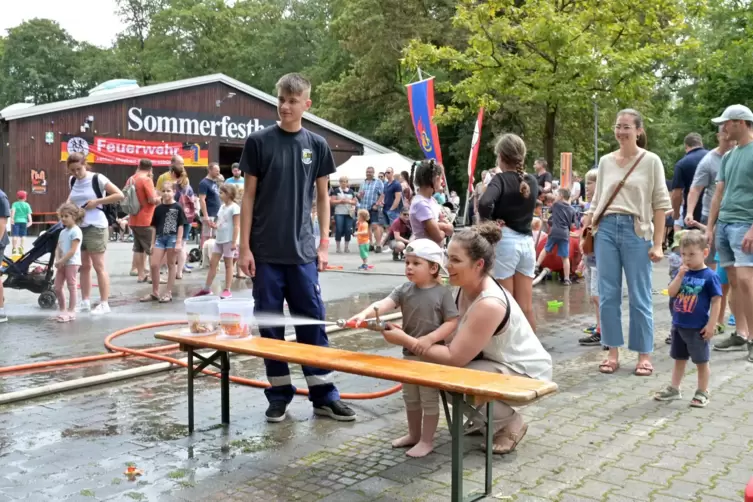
(299, 285)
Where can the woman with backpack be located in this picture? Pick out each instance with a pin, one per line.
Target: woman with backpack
(99, 197)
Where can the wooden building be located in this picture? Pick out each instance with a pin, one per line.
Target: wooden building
(204, 119)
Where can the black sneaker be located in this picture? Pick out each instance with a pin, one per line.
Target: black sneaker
(750, 351)
(395, 256)
(594, 339)
(734, 342)
(668, 340)
(337, 410)
(276, 412)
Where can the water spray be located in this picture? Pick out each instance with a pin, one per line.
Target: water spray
(374, 324)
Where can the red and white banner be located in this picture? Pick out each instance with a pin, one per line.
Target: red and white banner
(128, 152)
(474, 148)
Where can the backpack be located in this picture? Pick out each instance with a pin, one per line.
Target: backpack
(188, 206)
(110, 210)
(130, 204)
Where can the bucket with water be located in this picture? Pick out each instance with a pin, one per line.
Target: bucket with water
(203, 315)
(236, 318)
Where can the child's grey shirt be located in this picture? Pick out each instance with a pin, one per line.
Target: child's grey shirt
(424, 309)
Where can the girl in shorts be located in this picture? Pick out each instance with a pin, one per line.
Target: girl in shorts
(168, 221)
(228, 227)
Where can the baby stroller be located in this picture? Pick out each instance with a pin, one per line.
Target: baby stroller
(21, 275)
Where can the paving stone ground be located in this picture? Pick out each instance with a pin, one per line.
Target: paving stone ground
(600, 438)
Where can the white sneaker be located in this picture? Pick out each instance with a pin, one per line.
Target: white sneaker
(3, 317)
(101, 309)
(84, 306)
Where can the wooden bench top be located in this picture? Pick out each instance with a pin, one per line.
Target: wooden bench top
(512, 389)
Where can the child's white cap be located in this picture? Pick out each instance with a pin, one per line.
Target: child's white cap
(428, 250)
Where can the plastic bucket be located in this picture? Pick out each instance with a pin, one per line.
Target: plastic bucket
(203, 315)
(236, 317)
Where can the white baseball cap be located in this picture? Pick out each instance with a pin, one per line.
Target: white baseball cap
(735, 112)
(428, 250)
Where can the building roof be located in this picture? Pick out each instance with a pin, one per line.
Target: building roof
(13, 113)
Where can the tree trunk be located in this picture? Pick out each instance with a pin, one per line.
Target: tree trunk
(549, 130)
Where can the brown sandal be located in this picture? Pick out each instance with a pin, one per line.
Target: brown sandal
(151, 297)
(644, 369)
(515, 437)
(608, 367)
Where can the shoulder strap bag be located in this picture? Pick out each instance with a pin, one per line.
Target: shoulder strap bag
(588, 237)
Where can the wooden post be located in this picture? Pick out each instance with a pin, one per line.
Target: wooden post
(566, 170)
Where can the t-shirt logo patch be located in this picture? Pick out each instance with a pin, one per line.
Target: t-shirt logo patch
(307, 156)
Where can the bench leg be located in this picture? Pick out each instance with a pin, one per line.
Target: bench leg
(456, 428)
(225, 386)
(190, 389)
(447, 415)
(489, 453)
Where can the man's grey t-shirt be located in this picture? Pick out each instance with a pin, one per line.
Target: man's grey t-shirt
(424, 309)
(287, 166)
(705, 177)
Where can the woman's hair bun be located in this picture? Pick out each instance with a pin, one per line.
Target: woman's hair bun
(490, 231)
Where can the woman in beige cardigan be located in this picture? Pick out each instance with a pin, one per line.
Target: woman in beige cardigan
(628, 238)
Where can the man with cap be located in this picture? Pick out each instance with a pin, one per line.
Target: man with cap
(731, 222)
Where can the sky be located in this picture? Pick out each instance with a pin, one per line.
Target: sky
(93, 21)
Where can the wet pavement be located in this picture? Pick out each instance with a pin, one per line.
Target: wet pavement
(600, 438)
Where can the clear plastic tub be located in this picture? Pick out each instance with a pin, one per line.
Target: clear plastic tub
(203, 314)
(236, 318)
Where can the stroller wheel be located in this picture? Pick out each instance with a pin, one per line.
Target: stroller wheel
(47, 300)
(194, 255)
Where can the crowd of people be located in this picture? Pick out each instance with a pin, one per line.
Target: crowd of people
(489, 324)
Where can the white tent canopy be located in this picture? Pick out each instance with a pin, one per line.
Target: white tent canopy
(355, 167)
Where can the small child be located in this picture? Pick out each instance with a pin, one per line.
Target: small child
(426, 218)
(228, 227)
(362, 237)
(168, 222)
(561, 220)
(590, 272)
(698, 296)
(429, 314)
(20, 215)
(68, 259)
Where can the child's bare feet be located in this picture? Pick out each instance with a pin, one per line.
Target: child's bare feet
(404, 441)
(421, 449)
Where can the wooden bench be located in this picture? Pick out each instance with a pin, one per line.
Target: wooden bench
(468, 389)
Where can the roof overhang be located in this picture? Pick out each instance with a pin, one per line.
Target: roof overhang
(109, 97)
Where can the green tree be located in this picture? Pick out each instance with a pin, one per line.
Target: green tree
(548, 61)
(370, 96)
(38, 63)
(132, 42)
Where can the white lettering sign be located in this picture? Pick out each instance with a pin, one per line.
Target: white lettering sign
(193, 124)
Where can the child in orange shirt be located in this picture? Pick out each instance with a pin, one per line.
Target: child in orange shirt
(362, 235)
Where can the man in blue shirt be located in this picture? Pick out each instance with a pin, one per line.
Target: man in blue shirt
(683, 178)
(4, 215)
(370, 198)
(209, 198)
(393, 196)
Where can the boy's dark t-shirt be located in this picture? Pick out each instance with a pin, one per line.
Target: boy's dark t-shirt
(287, 166)
(563, 216)
(4, 213)
(693, 302)
(168, 218)
(502, 200)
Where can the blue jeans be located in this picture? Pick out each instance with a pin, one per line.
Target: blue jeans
(729, 245)
(391, 215)
(619, 249)
(343, 227)
(166, 241)
(299, 285)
